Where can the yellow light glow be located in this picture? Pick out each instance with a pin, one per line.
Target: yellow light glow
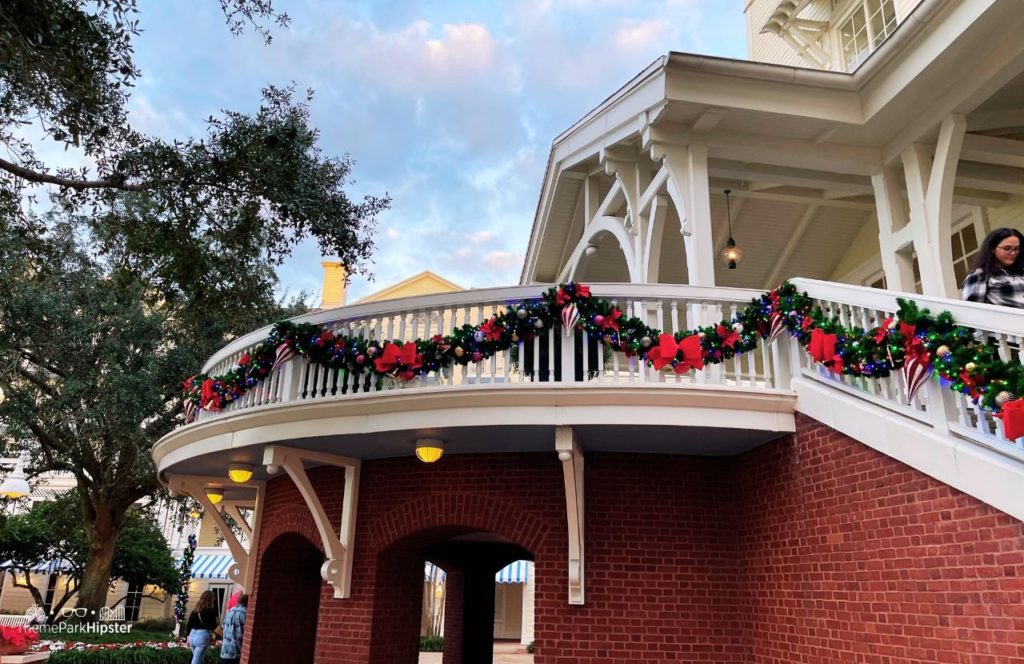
(429, 450)
(215, 495)
(240, 472)
(195, 514)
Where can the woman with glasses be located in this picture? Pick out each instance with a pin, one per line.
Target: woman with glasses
(201, 625)
(998, 275)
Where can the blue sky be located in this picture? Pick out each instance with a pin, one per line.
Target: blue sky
(450, 107)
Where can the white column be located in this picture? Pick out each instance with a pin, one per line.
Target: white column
(528, 600)
(894, 239)
(930, 192)
(689, 189)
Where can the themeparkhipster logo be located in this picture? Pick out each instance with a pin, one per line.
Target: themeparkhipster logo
(68, 621)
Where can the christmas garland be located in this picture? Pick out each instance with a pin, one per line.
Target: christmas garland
(184, 579)
(913, 341)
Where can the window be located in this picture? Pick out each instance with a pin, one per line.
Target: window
(870, 24)
(965, 248)
(132, 602)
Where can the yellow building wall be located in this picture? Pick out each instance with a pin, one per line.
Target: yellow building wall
(424, 283)
(864, 248)
(1010, 215)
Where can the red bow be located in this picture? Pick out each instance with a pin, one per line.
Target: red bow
(244, 360)
(561, 297)
(883, 330)
(325, 338)
(492, 329)
(1013, 419)
(404, 358)
(582, 291)
(611, 320)
(728, 335)
(667, 349)
(209, 399)
(823, 349)
(807, 322)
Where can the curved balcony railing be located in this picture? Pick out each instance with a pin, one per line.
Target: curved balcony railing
(552, 357)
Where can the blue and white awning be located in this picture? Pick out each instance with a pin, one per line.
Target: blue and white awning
(517, 572)
(211, 566)
(43, 567)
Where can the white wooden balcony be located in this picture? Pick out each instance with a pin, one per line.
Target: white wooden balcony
(507, 402)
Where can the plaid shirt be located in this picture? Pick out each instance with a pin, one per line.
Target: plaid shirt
(1003, 288)
(234, 630)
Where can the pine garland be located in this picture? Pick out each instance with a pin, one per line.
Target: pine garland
(184, 579)
(914, 341)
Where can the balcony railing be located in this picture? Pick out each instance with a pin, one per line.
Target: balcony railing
(551, 357)
(934, 405)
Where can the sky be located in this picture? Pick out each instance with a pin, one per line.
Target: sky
(448, 107)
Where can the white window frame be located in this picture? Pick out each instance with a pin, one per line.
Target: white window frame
(873, 42)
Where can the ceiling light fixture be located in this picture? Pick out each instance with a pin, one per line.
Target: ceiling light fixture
(731, 254)
(240, 472)
(429, 450)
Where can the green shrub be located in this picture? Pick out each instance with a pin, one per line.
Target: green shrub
(131, 656)
(431, 643)
(165, 625)
(529, 647)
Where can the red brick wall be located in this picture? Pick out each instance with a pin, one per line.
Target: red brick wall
(849, 556)
(813, 548)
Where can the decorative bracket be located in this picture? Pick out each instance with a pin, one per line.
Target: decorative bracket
(338, 546)
(571, 455)
(196, 486)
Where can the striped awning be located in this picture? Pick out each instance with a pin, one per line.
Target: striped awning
(44, 567)
(211, 566)
(517, 572)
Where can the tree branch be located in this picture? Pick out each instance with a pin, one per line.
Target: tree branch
(79, 185)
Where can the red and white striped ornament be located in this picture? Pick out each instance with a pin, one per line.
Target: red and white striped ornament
(570, 316)
(916, 370)
(776, 324)
(190, 411)
(285, 352)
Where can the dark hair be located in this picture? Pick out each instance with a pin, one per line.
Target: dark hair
(206, 601)
(986, 261)
(243, 600)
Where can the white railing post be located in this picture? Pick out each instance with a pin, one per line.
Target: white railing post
(941, 406)
(569, 356)
(291, 377)
(785, 364)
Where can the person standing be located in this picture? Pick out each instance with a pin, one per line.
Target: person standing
(234, 631)
(998, 275)
(202, 623)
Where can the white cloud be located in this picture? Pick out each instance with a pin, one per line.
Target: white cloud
(503, 259)
(641, 35)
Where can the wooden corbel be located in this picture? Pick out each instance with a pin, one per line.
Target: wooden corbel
(338, 545)
(196, 486)
(571, 456)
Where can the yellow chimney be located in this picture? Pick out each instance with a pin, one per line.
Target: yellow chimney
(334, 284)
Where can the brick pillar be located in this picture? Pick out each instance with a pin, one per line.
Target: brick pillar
(454, 593)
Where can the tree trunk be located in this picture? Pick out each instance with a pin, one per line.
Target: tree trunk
(102, 531)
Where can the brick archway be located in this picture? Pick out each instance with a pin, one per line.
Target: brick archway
(472, 537)
(284, 627)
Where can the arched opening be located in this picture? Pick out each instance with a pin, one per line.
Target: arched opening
(471, 560)
(288, 602)
(605, 261)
